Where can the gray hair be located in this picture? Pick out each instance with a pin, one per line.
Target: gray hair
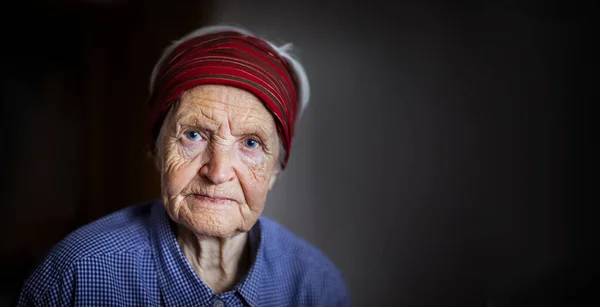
(302, 85)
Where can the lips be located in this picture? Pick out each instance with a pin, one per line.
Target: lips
(212, 199)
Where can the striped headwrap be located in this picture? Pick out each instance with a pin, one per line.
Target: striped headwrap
(227, 58)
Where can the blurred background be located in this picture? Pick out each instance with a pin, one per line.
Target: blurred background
(445, 158)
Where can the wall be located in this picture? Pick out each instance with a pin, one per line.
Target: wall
(431, 164)
(443, 160)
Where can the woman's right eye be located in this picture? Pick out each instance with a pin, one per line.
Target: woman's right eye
(192, 135)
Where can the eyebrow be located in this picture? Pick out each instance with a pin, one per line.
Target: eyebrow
(193, 120)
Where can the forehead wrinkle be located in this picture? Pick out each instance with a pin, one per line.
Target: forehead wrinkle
(252, 126)
(194, 116)
(226, 97)
(211, 108)
(251, 118)
(229, 109)
(253, 122)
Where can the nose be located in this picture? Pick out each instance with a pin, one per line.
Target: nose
(218, 169)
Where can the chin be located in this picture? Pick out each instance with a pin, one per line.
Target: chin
(206, 219)
(212, 225)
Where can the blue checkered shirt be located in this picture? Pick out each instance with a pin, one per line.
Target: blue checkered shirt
(131, 258)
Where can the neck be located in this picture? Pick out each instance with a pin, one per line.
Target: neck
(220, 262)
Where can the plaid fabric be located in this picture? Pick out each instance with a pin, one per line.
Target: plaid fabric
(131, 258)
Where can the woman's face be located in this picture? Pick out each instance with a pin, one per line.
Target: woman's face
(218, 152)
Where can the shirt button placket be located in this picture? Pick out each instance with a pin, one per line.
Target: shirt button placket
(218, 303)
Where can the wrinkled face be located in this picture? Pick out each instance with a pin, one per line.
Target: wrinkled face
(217, 151)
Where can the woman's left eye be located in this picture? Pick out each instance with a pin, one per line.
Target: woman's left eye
(192, 135)
(250, 143)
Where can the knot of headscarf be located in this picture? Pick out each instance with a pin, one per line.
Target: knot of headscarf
(227, 58)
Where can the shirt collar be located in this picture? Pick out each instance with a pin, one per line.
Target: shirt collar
(178, 282)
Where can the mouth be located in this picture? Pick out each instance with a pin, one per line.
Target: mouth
(217, 200)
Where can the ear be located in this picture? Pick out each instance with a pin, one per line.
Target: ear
(273, 178)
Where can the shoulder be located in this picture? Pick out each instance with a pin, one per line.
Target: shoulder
(280, 242)
(295, 260)
(124, 231)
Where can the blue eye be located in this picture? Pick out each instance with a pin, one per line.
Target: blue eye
(250, 143)
(192, 135)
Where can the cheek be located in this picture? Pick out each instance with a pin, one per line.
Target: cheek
(255, 180)
(256, 195)
(258, 164)
(178, 170)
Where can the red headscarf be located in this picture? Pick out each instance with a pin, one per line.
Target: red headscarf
(227, 58)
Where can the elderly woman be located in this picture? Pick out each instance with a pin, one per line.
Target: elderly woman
(222, 113)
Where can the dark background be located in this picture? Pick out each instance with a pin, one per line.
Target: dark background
(445, 158)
